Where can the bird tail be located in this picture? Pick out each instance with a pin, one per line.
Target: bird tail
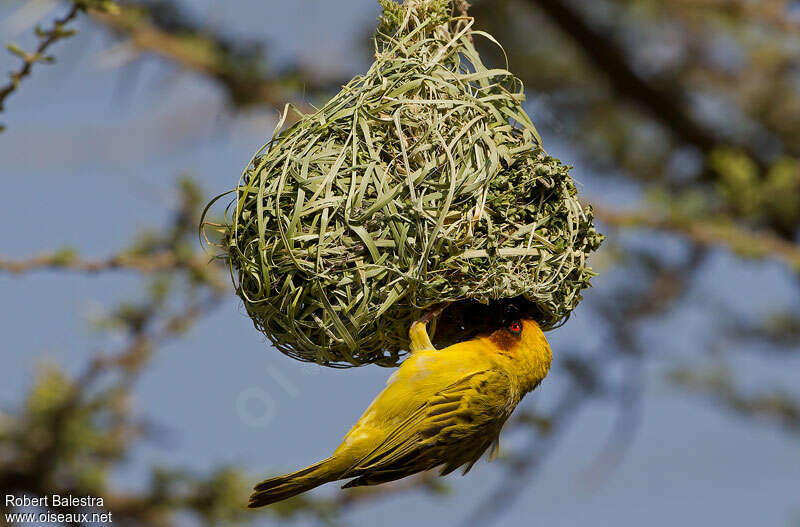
(282, 487)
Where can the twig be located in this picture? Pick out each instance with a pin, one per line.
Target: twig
(205, 54)
(151, 263)
(708, 232)
(49, 38)
(773, 13)
(62, 260)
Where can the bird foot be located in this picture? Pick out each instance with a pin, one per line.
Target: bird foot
(418, 333)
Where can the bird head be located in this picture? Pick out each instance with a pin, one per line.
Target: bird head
(517, 336)
(514, 329)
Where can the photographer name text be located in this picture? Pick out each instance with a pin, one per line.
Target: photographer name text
(53, 500)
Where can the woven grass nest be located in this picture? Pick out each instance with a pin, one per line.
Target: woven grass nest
(421, 182)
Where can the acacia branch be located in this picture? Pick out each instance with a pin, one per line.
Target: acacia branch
(67, 260)
(708, 232)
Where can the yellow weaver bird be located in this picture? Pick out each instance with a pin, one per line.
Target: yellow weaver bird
(441, 407)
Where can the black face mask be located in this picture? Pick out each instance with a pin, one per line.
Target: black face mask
(467, 319)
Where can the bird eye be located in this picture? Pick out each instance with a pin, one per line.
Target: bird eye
(515, 327)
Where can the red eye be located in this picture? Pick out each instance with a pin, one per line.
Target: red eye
(515, 327)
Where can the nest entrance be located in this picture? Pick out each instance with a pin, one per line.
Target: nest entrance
(466, 319)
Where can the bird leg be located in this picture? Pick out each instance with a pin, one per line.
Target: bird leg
(418, 333)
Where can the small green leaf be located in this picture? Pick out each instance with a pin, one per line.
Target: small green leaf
(18, 51)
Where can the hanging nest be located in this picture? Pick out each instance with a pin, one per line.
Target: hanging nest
(421, 182)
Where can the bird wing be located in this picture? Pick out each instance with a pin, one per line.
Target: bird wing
(453, 427)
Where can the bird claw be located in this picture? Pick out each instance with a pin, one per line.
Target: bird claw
(431, 314)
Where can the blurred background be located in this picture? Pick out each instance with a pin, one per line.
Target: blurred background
(131, 372)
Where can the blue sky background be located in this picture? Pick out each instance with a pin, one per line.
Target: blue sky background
(91, 156)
